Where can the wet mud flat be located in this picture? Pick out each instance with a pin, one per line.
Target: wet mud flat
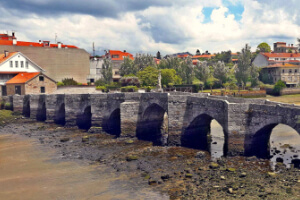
(174, 172)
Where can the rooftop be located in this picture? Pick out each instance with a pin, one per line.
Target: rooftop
(3, 58)
(281, 55)
(22, 78)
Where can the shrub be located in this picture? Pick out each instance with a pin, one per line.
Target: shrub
(69, 81)
(2, 104)
(278, 87)
(103, 88)
(100, 82)
(60, 84)
(129, 89)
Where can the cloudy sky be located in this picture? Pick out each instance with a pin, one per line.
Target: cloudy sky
(146, 26)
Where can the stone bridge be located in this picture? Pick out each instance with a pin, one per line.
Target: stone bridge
(166, 119)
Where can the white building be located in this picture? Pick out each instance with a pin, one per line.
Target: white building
(95, 69)
(13, 63)
(266, 59)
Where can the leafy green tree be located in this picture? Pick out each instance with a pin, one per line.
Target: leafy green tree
(254, 75)
(279, 85)
(202, 71)
(243, 67)
(264, 47)
(142, 61)
(148, 76)
(211, 81)
(107, 70)
(128, 67)
(186, 70)
(220, 71)
(170, 63)
(168, 76)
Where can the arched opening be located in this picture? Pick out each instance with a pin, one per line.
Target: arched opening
(279, 142)
(41, 112)
(26, 107)
(60, 115)
(153, 125)
(84, 120)
(205, 133)
(113, 124)
(284, 145)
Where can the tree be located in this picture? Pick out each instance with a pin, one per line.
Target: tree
(186, 70)
(264, 47)
(143, 60)
(107, 71)
(279, 85)
(168, 76)
(220, 71)
(198, 52)
(211, 81)
(148, 76)
(243, 67)
(158, 56)
(254, 74)
(170, 63)
(202, 71)
(128, 67)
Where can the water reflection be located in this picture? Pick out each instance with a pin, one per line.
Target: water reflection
(284, 146)
(217, 140)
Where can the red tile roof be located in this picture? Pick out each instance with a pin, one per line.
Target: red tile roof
(22, 78)
(3, 58)
(34, 44)
(281, 55)
(202, 56)
(121, 54)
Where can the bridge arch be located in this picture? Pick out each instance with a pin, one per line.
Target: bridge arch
(60, 114)
(26, 106)
(84, 118)
(112, 124)
(258, 143)
(41, 112)
(198, 133)
(153, 125)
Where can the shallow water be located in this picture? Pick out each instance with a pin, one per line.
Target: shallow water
(30, 171)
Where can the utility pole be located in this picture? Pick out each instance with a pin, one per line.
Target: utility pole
(93, 49)
(55, 38)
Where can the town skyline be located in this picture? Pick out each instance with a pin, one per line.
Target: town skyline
(148, 27)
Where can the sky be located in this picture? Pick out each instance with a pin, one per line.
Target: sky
(148, 26)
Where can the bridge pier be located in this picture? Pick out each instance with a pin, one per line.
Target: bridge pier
(18, 101)
(38, 107)
(129, 118)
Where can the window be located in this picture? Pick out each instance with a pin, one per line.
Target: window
(296, 71)
(26, 64)
(290, 71)
(276, 58)
(92, 80)
(16, 63)
(41, 78)
(43, 90)
(116, 72)
(11, 64)
(283, 71)
(115, 56)
(22, 64)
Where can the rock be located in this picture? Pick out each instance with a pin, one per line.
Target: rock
(272, 174)
(64, 139)
(152, 181)
(279, 159)
(131, 158)
(243, 174)
(128, 141)
(188, 175)
(214, 165)
(252, 159)
(222, 178)
(200, 154)
(231, 169)
(289, 190)
(165, 177)
(230, 190)
(85, 138)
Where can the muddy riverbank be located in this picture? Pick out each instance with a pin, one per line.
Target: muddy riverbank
(145, 170)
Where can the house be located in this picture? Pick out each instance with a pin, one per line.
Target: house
(59, 60)
(266, 59)
(180, 55)
(95, 69)
(281, 47)
(15, 66)
(117, 58)
(289, 73)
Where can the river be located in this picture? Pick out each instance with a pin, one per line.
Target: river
(31, 171)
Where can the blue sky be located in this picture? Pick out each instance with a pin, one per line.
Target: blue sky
(148, 26)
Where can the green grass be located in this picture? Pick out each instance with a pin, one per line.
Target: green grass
(6, 116)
